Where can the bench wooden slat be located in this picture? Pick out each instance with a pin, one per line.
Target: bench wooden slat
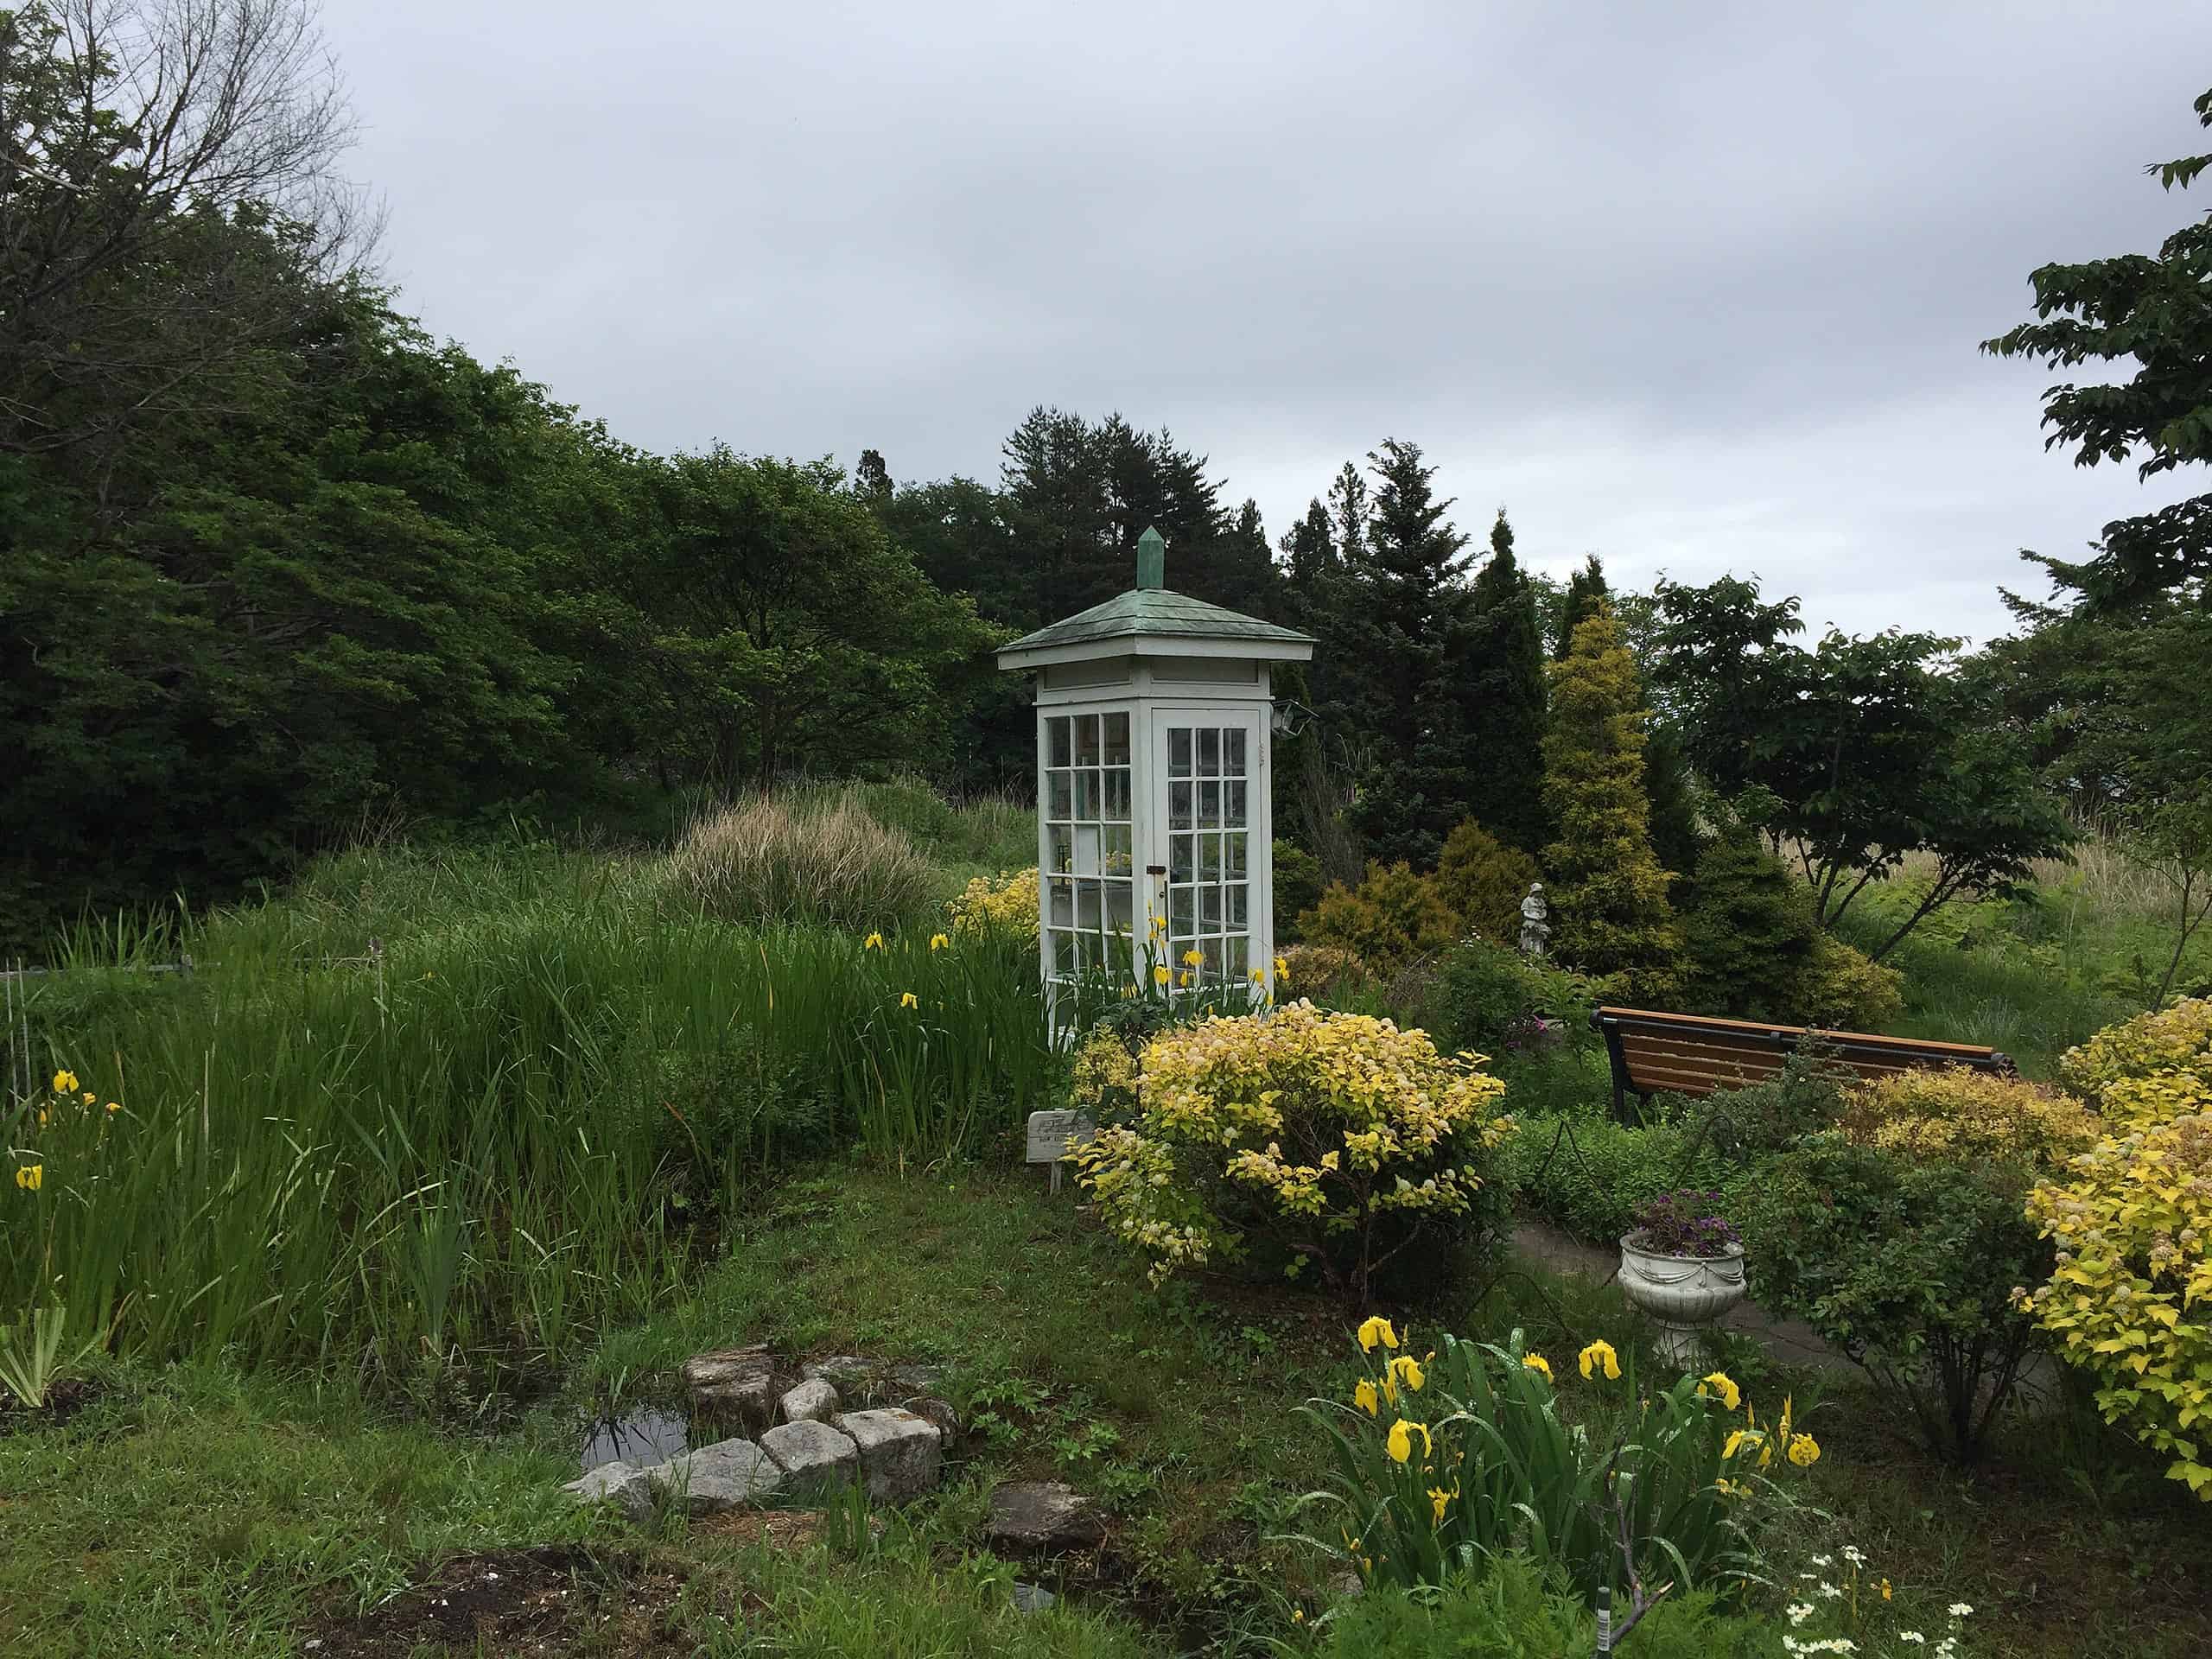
(1654, 1052)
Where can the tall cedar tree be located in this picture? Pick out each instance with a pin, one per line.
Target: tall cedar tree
(1608, 891)
(1401, 624)
(1585, 590)
(1502, 699)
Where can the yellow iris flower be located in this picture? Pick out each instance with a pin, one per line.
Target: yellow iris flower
(31, 1177)
(1438, 1497)
(874, 942)
(1717, 1385)
(1538, 1363)
(1194, 959)
(908, 1000)
(939, 942)
(65, 1082)
(1377, 1330)
(1400, 1445)
(1161, 975)
(1407, 1369)
(1600, 1354)
(1364, 1396)
(1804, 1451)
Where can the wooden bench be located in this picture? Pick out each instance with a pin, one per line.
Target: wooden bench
(1656, 1054)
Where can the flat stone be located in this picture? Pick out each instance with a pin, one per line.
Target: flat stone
(735, 1383)
(629, 1489)
(815, 1458)
(1032, 1598)
(728, 1475)
(812, 1402)
(901, 1453)
(843, 1369)
(1044, 1516)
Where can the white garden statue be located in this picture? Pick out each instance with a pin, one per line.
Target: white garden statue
(1535, 927)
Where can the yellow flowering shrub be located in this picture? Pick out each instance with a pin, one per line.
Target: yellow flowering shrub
(2146, 1103)
(1006, 904)
(2178, 1038)
(2129, 1297)
(1337, 1138)
(1955, 1113)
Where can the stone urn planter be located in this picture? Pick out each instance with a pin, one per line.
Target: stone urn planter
(1684, 1294)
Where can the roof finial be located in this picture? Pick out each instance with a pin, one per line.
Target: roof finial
(1152, 560)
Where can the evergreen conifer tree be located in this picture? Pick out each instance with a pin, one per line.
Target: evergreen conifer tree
(1608, 891)
(1749, 932)
(1498, 682)
(1585, 590)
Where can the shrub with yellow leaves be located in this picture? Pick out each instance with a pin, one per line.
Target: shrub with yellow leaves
(1006, 904)
(1339, 1138)
(2128, 1300)
(2175, 1040)
(1952, 1113)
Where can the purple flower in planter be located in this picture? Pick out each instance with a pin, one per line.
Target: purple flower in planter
(1672, 1224)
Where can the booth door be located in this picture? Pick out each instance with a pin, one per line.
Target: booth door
(1209, 816)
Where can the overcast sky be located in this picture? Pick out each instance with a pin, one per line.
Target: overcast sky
(1695, 287)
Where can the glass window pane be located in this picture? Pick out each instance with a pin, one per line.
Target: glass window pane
(1209, 858)
(1086, 950)
(1062, 842)
(1119, 914)
(1115, 850)
(1182, 913)
(1179, 806)
(1208, 806)
(1178, 750)
(1210, 910)
(1057, 728)
(1087, 911)
(1062, 952)
(1210, 751)
(1180, 859)
(1086, 741)
(1086, 795)
(1234, 804)
(1117, 741)
(1232, 762)
(1236, 958)
(1232, 861)
(1086, 850)
(1212, 948)
(1117, 794)
(1059, 794)
(1062, 911)
(1240, 898)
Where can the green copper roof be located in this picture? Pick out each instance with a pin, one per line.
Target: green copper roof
(1156, 611)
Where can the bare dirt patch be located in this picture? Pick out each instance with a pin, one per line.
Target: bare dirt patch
(553, 1599)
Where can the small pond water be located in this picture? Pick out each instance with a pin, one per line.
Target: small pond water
(640, 1438)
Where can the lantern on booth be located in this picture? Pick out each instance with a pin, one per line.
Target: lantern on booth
(1154, 833)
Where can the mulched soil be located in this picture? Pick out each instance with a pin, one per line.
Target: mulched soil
(63, 1400)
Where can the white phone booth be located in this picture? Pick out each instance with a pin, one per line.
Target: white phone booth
(1153, 714)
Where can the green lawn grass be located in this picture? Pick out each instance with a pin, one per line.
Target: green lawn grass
(190, 1510)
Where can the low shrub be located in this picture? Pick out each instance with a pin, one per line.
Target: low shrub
(2178, 1038)
(1390, 917)
(1004, 904)
(830, 860)
(1468, 1454)
(1490, 997)
(2131, 1281)
(1806, 1097)
(1337, 1139)
(1591, 1175)
(1484, 882)
(1951, 1112)
(1845, 989)
(1907, 1262)
(1323, 972)
(2146, 1103)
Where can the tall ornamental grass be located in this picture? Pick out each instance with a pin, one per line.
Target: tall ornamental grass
(491, 1137)
(804, 859)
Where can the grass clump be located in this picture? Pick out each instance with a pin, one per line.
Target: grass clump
(826, 859)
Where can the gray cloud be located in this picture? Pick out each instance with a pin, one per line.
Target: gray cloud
(1697, 288)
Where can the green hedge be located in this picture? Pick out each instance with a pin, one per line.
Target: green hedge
(1589, 1175)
